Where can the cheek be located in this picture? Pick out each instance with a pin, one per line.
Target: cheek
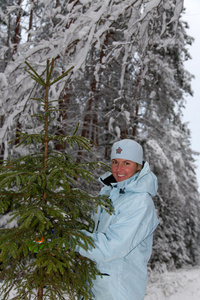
(113, 168)
(132, 171)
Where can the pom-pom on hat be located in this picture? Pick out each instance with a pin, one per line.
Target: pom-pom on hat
(127, 149)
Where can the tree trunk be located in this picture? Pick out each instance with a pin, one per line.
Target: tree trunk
(16, 38)
(18, 133)
(30, 21)
(40, 293)
(136, 96)
(62, 117)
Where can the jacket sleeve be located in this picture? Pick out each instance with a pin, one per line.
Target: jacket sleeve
(127, 230)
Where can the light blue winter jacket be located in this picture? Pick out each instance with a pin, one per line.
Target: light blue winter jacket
(123, 240)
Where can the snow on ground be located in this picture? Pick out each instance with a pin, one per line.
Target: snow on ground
(183, 284)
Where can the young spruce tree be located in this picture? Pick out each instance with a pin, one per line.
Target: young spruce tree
(38, 257)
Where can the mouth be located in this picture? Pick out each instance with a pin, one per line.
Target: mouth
(120, 177)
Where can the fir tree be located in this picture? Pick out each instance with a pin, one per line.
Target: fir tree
(49, 208)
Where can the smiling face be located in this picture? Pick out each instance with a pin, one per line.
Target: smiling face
(123, 169)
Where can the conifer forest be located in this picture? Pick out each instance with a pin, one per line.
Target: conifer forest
(76, 76)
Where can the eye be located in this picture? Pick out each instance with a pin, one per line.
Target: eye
(114, 162)
(127, 163)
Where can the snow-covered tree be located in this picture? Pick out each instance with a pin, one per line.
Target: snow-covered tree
(177, 201)
(168, 142)
(75, 31)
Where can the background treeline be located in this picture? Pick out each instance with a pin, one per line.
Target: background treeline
(128, 81)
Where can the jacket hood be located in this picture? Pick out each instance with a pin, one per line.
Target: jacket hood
(142, 181)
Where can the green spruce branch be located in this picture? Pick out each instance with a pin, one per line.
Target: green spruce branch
(48, 211)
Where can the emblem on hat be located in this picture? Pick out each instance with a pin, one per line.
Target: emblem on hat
(118, 150)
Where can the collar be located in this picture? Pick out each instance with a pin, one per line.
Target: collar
(109, 180)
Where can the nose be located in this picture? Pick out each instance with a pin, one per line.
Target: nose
(119, 167)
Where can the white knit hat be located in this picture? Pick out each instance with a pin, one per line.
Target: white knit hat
(127, 149)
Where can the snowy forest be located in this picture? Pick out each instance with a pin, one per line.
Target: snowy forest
(127, 80)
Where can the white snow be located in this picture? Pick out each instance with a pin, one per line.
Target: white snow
(3, 80)
(183, 284)
(4, 221)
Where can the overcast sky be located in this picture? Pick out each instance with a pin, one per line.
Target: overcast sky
(192, 111)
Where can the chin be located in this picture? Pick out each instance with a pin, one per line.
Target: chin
(119, 179)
